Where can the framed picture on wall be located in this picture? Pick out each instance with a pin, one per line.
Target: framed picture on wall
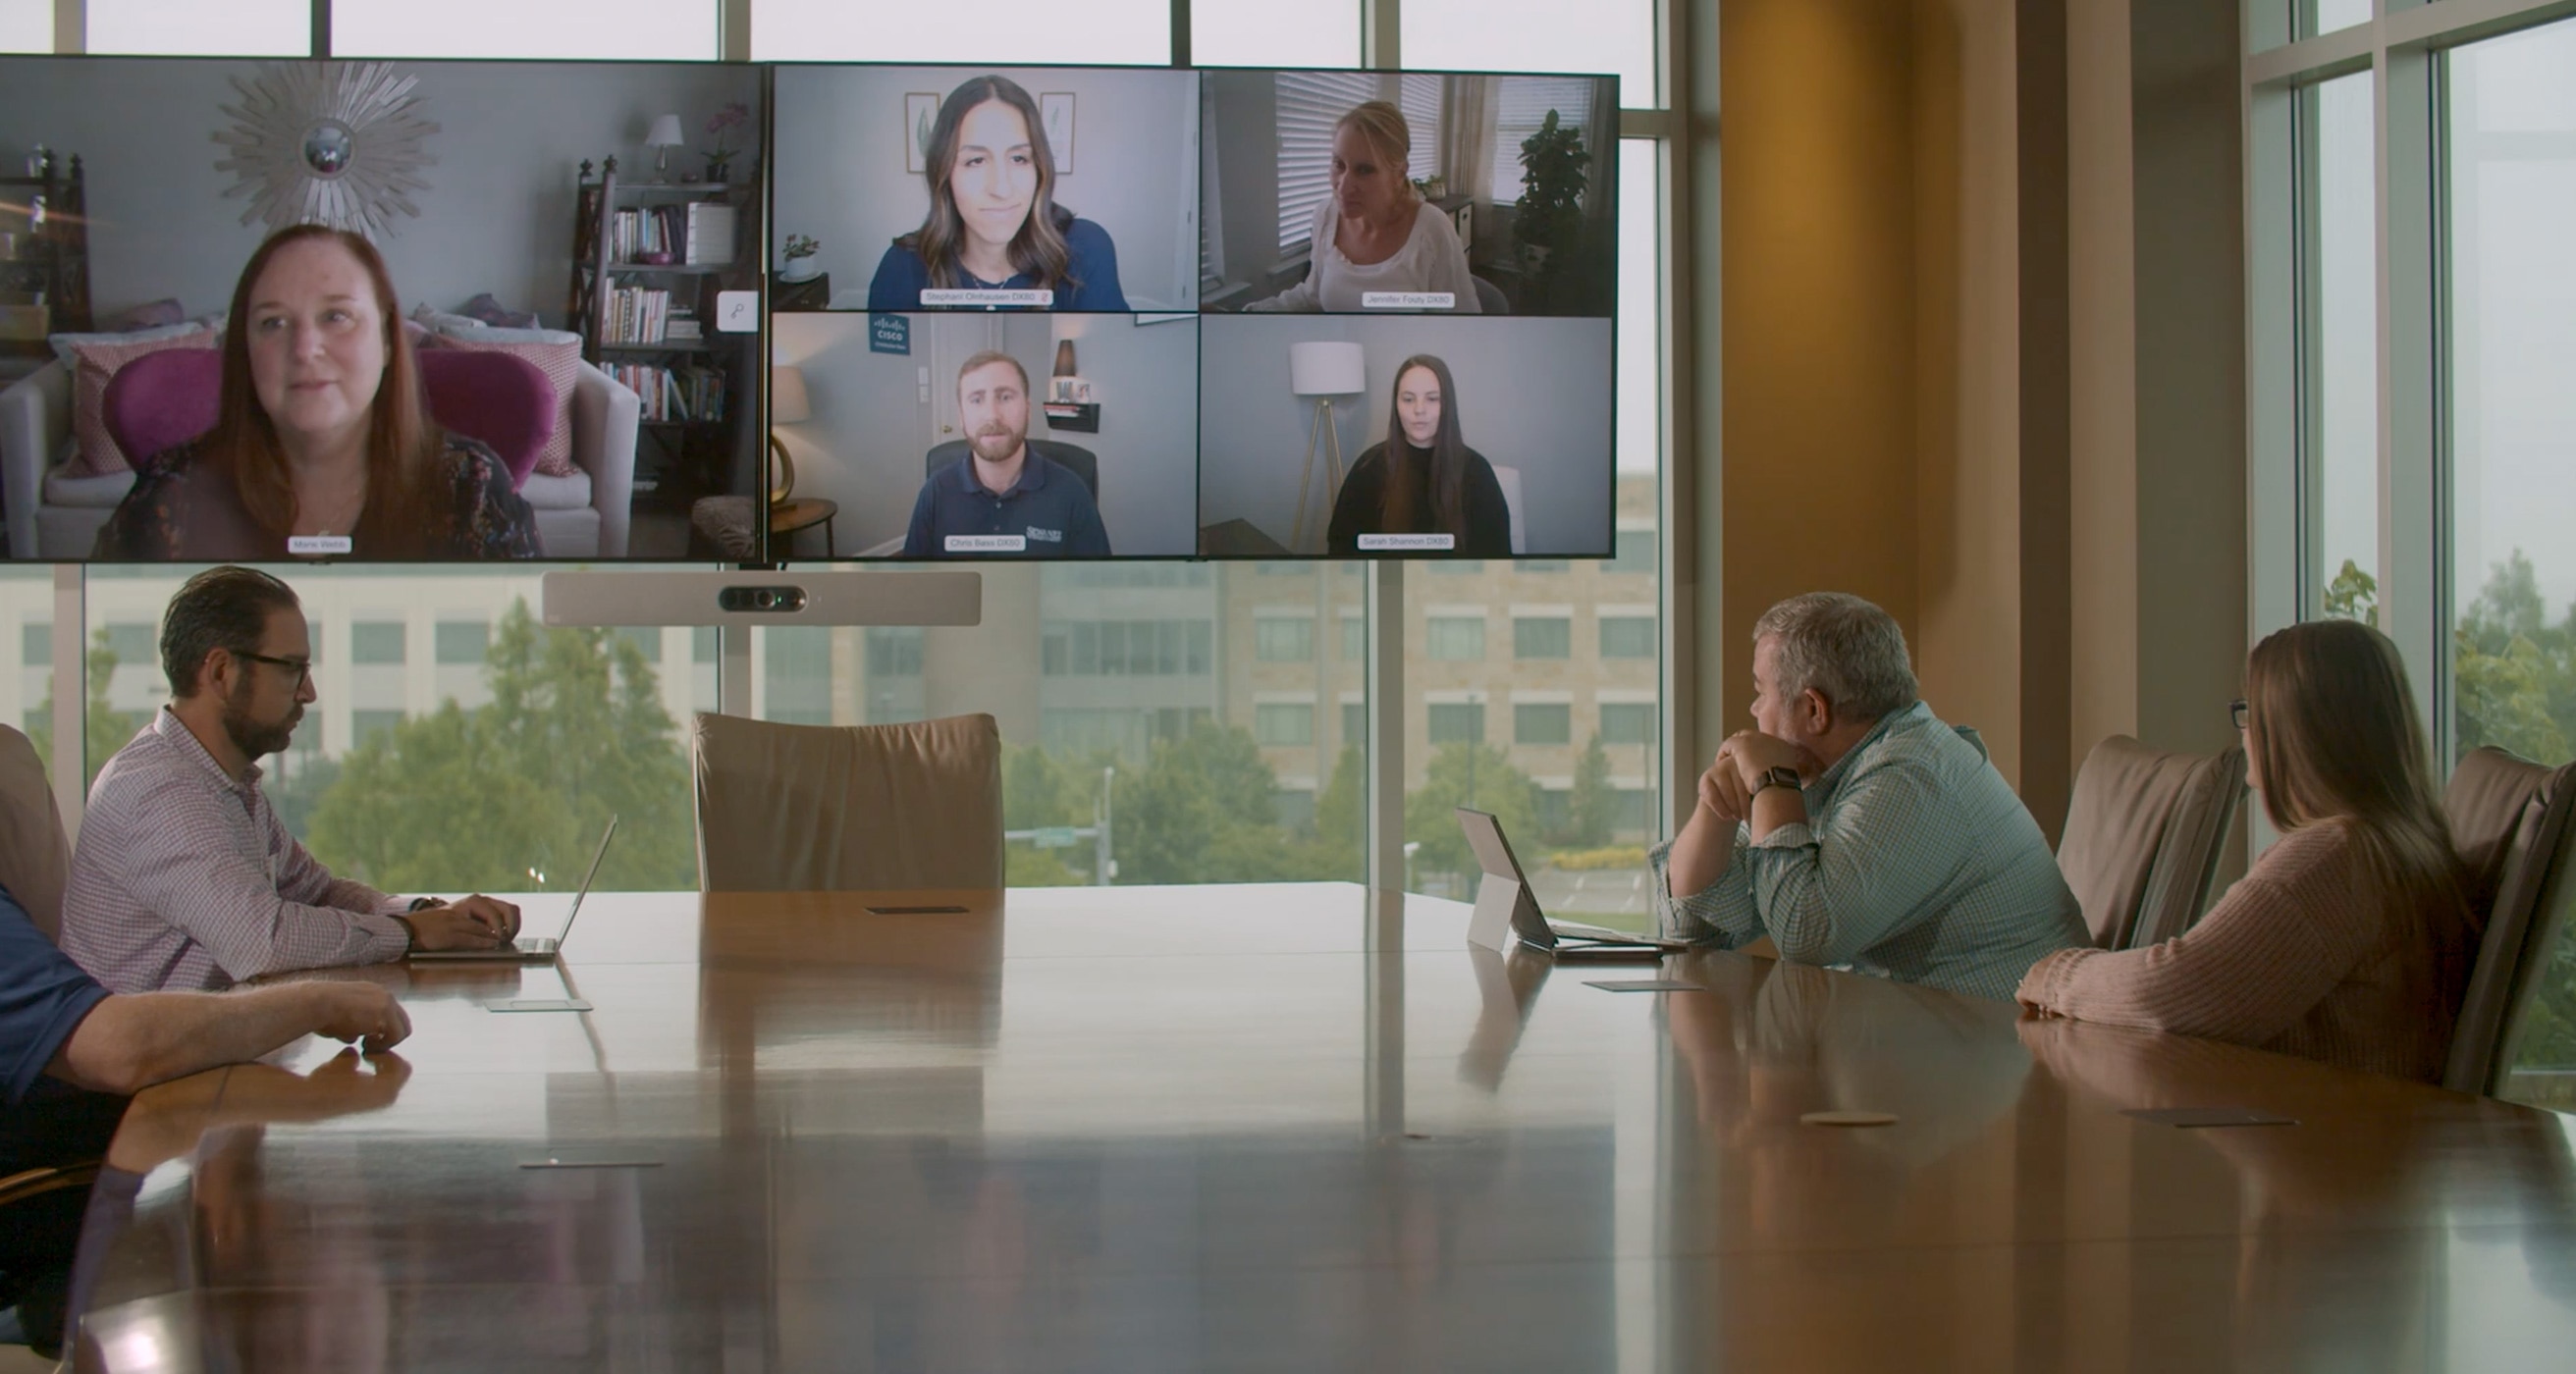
(1055, 110)
(920, 111)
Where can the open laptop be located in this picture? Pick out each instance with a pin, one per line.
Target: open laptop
(1505, 907)
(539, 950)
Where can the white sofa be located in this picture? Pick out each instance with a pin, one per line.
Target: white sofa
(56, 517)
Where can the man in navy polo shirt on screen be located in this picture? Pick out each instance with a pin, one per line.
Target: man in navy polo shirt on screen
(1001, 490)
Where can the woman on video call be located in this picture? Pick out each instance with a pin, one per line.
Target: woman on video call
(993, 221)
(1423, 479)
(1374, 233)
(322, 429)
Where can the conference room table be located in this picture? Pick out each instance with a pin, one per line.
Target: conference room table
(1207, 1128)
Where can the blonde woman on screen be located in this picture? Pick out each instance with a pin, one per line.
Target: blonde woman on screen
(2350, 941)
(1374, 232)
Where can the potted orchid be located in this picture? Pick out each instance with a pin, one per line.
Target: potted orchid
(720, 158)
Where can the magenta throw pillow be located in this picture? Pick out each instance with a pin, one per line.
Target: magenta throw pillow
(501, 399)
(95, 368)
(164, 399)
(561, 364)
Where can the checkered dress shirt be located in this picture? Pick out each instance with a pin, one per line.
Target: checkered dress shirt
(184, 879)
(1916, 862)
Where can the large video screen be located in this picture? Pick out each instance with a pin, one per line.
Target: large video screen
(267, 310)
(1096, 313)
(423, 311)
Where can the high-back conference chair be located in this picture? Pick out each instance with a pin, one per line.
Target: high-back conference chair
(35, 859)
(2511, 821)
(2143, 834)
(827, 808)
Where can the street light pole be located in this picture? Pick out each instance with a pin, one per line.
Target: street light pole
(1101, 862)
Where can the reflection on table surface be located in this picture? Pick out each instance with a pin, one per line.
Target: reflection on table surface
(1206, 1128)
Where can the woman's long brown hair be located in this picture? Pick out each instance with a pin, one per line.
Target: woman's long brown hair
(1410, 471)
(2333, 735)
(403, 444)
(1038, 249)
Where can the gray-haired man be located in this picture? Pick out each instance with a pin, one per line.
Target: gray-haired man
(1854, 827)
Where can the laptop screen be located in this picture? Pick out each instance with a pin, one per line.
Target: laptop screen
(587, 879)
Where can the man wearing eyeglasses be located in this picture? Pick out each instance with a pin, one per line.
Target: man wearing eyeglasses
(184, 879)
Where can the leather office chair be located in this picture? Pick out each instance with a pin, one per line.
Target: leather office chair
(1084, 463)
(825, 808)
(2143, 835)
(2511, 821)
(35, 858)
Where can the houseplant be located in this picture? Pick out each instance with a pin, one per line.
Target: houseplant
(801, 266)
(1548, 218)
(720, 157)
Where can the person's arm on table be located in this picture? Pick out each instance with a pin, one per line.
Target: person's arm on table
(226, 902)
(127, 1044)
(302, 878)
(1702, 891)
(2260, 960)
(1828, 893)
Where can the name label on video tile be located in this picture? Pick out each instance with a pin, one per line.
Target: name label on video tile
(985, 299)
(1408, 543)
(1394, 300)
(987, 543)
(316, 545)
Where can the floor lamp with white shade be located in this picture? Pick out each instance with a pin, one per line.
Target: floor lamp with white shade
(1323, 370)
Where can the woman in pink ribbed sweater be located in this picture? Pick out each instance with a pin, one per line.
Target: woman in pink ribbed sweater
(2350, 941)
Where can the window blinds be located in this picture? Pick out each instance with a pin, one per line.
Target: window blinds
(1418, 96)
(1309, 104)
(1524, 102)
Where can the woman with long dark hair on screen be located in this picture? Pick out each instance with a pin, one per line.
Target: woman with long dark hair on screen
(1423, 479)
(322, 430)
(2351, 939)
(993, 222)
(1375, 233)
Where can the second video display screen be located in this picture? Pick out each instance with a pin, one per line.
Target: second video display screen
(1096, 312)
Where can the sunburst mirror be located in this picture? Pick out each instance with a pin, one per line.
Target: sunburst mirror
(337, 143)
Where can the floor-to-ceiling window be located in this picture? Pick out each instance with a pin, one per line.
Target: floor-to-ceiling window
(2431, 323)
(2510, 164)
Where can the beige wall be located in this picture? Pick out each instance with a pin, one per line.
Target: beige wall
(1818, 336)
(1968, 648)
(2103, 359)
(1964, 378)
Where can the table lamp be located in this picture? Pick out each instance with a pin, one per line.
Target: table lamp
(664, 137)
(787, 406)
(1323, 370)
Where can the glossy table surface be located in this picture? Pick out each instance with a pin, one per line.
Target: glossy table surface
(1203, 1128)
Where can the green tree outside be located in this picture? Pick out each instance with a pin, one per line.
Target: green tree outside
(1466, 774)
(1593, 805)
(2514, 685)
(104, 730)
(512, 796)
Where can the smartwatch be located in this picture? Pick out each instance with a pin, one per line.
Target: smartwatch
(1780, 776)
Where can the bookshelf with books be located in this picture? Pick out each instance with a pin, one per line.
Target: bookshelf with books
(649, 260)
(44, 260)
